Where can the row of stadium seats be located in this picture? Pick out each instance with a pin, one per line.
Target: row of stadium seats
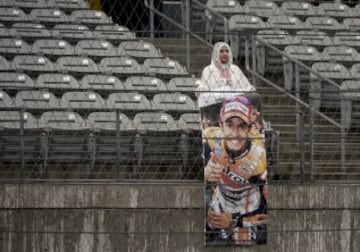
(96, 49)
(26, 5)
(79, 65)
(70, 32)
(104, 84)
(131, 102)
(267, 8)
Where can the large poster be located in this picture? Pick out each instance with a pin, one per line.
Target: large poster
(235, 169)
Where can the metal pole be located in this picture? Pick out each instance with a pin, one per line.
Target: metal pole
(187, 20)
(152, 19)
(117, 164)
(311, 135)
(21, 172)
(343, 135)
(297, 95)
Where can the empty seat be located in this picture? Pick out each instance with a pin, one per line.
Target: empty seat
(225, 7)
(164, 67)
(72, 32)
(307, 55)
(144, 84)
(49, 17)
(336, 10)
(189, 122)
(4, 32)
(101, 83)
(287, 23)
(32, 64)
(175, 103)
(325, 94)
(341, 54)
(28, 5)
(77, 65)
(160, 130)
(95, 48)
(11, 81)
(12, 46)
(328, 24)
(52, 48)
(4, 64)
(268, 60)
(90, 18)
(19, 138)
(113, 33)
(351, 39)
(68, 5)
(10, 15)
(106, 121)
(186, 85)
(29, 31)
(84, 101)
(261, 8)
(36, 101)
(139, 50)
(352, 24)
(57, 82)
(355, 71)
(128, 102)
(120, 66)
(5, 100)
(319, 39)
(6, 3)
(302, 10)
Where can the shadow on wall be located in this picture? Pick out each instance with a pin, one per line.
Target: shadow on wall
(134, 15)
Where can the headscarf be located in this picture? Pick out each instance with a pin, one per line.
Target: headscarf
(225, 70)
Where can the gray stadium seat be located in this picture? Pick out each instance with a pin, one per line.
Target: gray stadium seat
(68, 5)
(160, 130)
(72, 32)
(324, 94)
(77, 65)
(82, 101)
(352, 24)
(299, 9)
(355, 71)
(164, 67)
(52, 48)
(6, 3)
(307, 55)
(128, 102)
(49, 17)
(64, 141)
(113, 33)
(350, 107)
(29, 31)
(144, 84)
(28, 5)
(12, 46)
(57, 83)
(189, 122)
(4, 32)
(15, 81)
(32, 64)
(186, 85)
(351, 39)
(261, 8)
(4, 64)
(36, 101)
(95, 49)
(341, 54)
(101, 83)
(90, 18)
(16, 146)
(225, 7)
(10, 15)
(174, 103)
(327, 24)
(123, 66)
(269, 60)
(337, 10)
(104, 146)
(291, 24)
(138, 50)
(5, 100)
(318, 39)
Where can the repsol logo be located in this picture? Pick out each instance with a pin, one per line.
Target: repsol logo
(235, 177)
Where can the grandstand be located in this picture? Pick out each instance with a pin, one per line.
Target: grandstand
(85, 97)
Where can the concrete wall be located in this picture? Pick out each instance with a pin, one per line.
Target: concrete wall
(167, 217)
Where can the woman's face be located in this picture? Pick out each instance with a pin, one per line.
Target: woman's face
(224, 55)
(236, 133)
